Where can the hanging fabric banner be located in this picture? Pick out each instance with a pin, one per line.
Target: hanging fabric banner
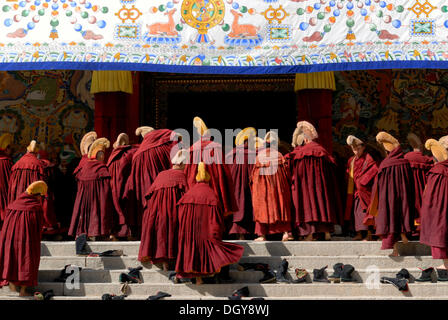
(223, 36)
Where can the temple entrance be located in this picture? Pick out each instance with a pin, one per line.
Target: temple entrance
(226, 102)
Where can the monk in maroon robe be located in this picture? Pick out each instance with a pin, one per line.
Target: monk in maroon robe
(152, 157)
(361, 172)
(241, 161)
(420, 165)
(201, 252)
(6, 164)
(119, 166)
(271, 192)
(160, 221)
(93, 210)
(315, 194)
(392, 203)
(211, 153)
(85, 144)
(20, 239)
(434, 210)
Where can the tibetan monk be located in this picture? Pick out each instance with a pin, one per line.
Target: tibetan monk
(420, 166)
(392, 203)
(201, 252)
(20, 239)
(211, 154)
(93, 210)
(119, 166)
(85, 144)
(434, 210)
(361, 172)
(317, 205)
(241, 161)
(160, 220)
(6, 164)
(271, 191)
(152, 157)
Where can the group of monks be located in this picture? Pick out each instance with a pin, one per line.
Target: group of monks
(180, 200)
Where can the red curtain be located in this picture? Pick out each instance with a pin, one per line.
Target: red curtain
(315, 106)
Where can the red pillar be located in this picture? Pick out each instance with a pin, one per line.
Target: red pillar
(117, 112)
(315, 106)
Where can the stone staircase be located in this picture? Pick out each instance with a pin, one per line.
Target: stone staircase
(100, 274)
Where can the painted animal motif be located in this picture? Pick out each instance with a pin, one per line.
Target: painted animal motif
(160, 28)
(242, 30)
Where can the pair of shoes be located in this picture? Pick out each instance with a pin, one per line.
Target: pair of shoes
(133, 276)
(301, 275)
(281, 274)
(238, 294)
(47, 295)
(172, 277)
(442, 275)
(81, 245)
(159, 295)
(342, 273)
(400, 284)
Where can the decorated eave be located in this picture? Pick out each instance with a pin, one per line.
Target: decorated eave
(223, 36)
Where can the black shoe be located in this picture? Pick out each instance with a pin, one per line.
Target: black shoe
(281, 274)
(301, 275)
(64, 274)
(403, 274)
(159, 295)
(347, 272)
(442, 275)
(426, 275)
(111, 253)
(253, 266)
(400, 284)
(319, 275)
(81, 245)
(48, 294)
(268, 277)
(133, 276)
(238, 294)
(108, 296)
(336, 276)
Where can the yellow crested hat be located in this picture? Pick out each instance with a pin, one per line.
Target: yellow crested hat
(271, 137)
(37, 187)
(202, 173)
(444, 141)
(414, 141)
(5, 140)
(143, 131)
(32, 147)
(200, 126)
(244, 135)
(353, 141)
(122, 140)
(297, 138)
(87, 141)
(437, 149)
(180, 157)
(307, 129)
(387, 140)
(98, 145)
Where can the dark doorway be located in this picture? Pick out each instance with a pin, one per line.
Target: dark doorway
(232, 110)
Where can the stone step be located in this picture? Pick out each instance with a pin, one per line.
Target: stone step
(256, 290)
(159, 276)
(306, 262)
(252, 248)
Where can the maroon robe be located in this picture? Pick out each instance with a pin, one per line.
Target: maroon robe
(393, 198)
(160, 220)
(50, 223)
(221, 182)
(93, 209)
(434, 210)
(420, 165)
(241, 161)
(365, 170)
(315, 194)
(152, 157)
(20, 242)
(81, 163)
(271, 193)
(5, 173)
(201, 251)
(119, 166)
